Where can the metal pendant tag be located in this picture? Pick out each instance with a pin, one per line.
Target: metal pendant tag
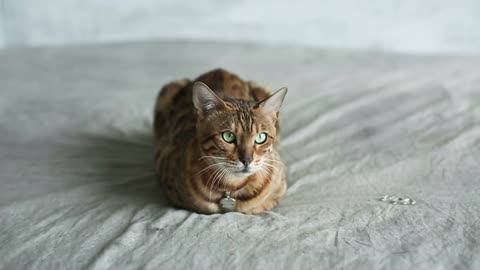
(228, 203)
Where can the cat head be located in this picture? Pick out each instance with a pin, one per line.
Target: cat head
(236, 137)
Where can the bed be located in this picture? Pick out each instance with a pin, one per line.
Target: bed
(78, 188)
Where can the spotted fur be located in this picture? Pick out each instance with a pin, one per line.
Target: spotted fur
(196, 165)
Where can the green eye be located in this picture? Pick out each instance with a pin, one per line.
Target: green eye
(261, 138)
(228, 136)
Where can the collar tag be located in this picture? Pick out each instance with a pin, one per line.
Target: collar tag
(228, 203)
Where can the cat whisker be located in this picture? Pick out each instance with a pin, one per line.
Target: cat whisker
(270, 166)
(212, 157)
(217, 177)
(220, 178)
(276, 161)
(217, 170)
(266, 169)
(224, 172)
(210, 166)
(262, 171)
(228, 171)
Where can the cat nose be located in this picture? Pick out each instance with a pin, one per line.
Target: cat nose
(246, 161)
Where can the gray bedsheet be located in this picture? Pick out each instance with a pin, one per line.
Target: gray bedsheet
(78, 186)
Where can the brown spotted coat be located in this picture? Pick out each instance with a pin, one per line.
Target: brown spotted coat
(179, 147)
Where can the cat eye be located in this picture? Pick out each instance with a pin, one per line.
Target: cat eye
(261, 138)
(228, 136)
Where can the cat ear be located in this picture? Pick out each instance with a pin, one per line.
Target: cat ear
(205, 100)
(273, 103)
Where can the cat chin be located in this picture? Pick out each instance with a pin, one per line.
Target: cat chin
(241, 174)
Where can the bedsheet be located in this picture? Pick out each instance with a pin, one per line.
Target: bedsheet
(78, 188)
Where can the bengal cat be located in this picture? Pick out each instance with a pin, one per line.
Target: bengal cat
(216, 140)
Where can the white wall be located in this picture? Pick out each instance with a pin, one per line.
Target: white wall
(427, 26)
(2, 40)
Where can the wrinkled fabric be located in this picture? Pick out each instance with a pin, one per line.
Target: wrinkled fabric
(78, 187)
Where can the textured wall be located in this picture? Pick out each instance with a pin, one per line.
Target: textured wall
(408, 25)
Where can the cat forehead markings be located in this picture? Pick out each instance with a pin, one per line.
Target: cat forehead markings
(239, 118)
(244, 115)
